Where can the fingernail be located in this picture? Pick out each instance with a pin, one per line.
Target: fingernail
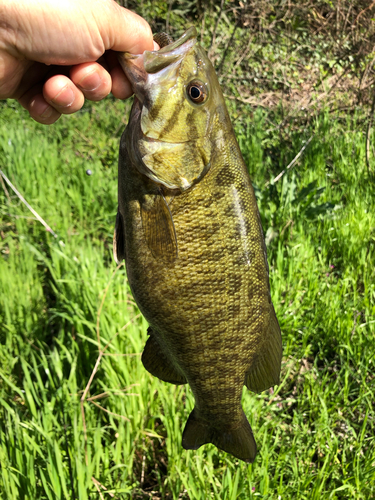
(90, 82)
(65, 97)
(47, 112)
(37, 108)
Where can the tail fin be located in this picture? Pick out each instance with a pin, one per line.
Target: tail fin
(238, 442)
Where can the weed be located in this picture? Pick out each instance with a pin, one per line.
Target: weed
(315, 432)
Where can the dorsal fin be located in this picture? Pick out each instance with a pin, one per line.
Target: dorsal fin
(119, 240)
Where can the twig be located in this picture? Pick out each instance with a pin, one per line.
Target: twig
(97, 484)
(28, 206)
(203, 25)
(226, 48)
(368, 135)
(102, 486)
(5, 190)
(244, 53)
(143, 464)
(290, 221)
(126, 355)
(100, 493)
(68, 457)
(249, 100)
(356, 314)
(362, 12)
(121, 329)
(213, 38)
(107, 394)
(108, 411)
(83, 397)
(293, 161)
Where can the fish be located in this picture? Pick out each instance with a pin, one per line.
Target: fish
(189, 229)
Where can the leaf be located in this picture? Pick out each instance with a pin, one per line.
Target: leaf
(305, 192)
(324, 208)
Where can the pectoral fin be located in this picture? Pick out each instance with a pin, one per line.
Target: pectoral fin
(157, 363)
(119, 240)
(265, 372)
(159, 229)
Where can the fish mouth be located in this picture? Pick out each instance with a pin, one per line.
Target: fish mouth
(139, 68)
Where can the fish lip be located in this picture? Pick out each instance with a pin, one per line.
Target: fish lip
(186, 36)
(138, 67)
(189, 34)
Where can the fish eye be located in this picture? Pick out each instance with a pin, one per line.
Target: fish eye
(197, 92)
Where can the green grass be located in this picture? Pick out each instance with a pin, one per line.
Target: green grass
(315, 432)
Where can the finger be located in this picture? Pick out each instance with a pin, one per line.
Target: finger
(32, 74)
(121, 88)
(92, 79)
(61, 93)
(120, 85)
(38, 107)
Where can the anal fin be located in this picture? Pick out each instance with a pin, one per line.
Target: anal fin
(157, 363)
(239, 442)
(265, 372)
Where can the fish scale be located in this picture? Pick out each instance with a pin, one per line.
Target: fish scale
(189, 229)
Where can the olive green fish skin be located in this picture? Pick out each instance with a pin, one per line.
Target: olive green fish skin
(208, 303)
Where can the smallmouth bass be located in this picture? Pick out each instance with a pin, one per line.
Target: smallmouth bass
(189, 229)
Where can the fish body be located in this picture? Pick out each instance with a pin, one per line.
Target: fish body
(189, 229)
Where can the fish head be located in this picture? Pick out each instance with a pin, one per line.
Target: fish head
(179, 111)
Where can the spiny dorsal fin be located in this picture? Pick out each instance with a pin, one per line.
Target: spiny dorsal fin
(119, 240)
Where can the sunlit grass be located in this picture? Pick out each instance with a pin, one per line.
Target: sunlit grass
(315, 433)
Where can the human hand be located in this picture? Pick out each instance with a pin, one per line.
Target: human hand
(49, 49)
